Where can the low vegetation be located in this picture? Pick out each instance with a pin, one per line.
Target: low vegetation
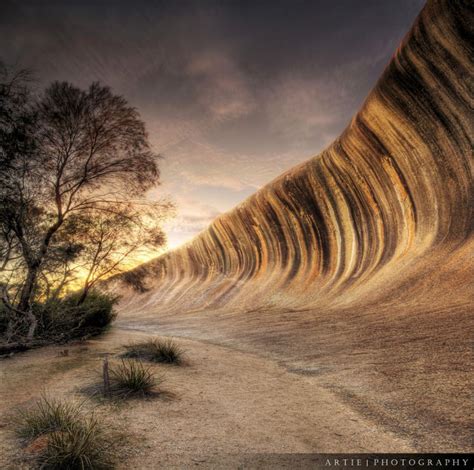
(68, 319)
(46, 416)
(131, 379)
(136, 279)
(156, 350)
(64, 319)
(124, 380)
(60, 436)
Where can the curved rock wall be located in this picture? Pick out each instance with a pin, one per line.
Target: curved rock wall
(395, 186)
(354, 268)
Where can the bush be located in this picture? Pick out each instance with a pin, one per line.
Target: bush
(156, 350)
(96, 312)
(66, 319)
(135, 278)
(132, 379)
(65, 438)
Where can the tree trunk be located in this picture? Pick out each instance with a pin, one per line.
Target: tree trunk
(83, 296)
(33, 324)
(25, 299)
(34, 264)
(28, 287)
(9, 332)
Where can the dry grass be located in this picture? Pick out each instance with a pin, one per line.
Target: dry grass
(156, 350)
(132, 379)
(45, 416)
(127, 379)
(60, 436)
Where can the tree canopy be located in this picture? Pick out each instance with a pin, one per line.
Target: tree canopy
(76, 166)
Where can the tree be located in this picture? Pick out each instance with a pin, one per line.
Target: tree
(110, 238)
(69, 155)
(17, 128)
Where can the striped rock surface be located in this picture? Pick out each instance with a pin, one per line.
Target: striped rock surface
(395, 185)
(355, 267)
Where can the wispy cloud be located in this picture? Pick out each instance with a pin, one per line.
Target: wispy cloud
(223, 89)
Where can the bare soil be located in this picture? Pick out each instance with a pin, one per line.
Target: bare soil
(224, 408)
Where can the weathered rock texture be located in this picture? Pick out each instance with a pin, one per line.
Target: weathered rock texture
(357, 264)
(395, 185)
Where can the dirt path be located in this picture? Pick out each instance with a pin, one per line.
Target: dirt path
(226, 403)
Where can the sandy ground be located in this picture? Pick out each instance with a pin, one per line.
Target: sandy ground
(224, 407)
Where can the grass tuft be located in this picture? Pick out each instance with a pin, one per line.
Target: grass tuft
(63, 438)
(79, 447)
(156, 350)
(46, 416)
(132, 379)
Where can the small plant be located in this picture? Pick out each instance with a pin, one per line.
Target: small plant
(156, 350)
(63, 438)
(80, 447)
(46, 416)
(131, 379)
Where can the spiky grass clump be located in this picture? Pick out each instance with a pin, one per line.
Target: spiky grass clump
(156, 350)
(68, 439)
(132, 379)
(80, 447)
(46, 416)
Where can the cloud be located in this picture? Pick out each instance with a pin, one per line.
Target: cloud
(223, 90)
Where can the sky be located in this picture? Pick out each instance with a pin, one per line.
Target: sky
(233, 92)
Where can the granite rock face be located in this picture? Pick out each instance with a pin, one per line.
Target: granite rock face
(395, 187)
(355, 268)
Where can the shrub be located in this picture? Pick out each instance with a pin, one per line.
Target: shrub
(96, 312)
(135, 278)
(66, 319)
(65, 438)
(132, 379)
(156, 350)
